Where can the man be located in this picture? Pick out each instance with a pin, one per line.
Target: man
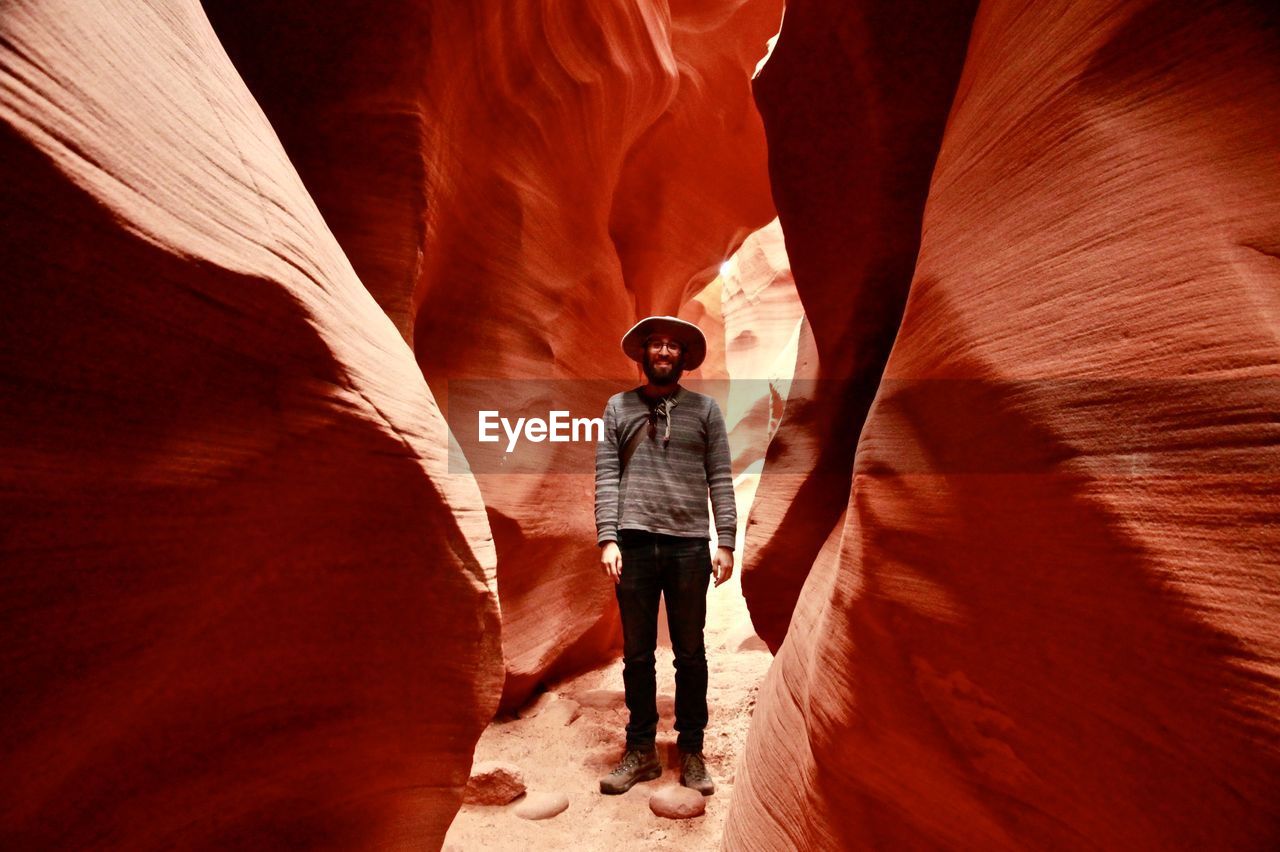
(664, 448)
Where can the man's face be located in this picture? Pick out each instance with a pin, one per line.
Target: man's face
(663, 359)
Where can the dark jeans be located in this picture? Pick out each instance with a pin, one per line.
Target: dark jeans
(679, 568)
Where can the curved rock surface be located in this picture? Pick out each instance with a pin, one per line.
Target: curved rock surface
(696, 183)
(1051, 615)
(763, 321)
(343, 86)
(238, 580)
(517, 183)
(760, 306)
(854, 99)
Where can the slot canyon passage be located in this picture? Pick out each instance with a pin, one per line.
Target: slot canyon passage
(992, 299)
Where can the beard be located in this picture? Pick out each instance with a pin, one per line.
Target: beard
(665, 377)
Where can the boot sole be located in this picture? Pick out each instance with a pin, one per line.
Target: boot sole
(647, 775)
(710, 792)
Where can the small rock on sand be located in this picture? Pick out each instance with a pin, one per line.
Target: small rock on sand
(602, 699)
(542, 805)
(562, 712)
(493, 782)
(675, 802)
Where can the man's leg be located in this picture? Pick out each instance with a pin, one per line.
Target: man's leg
(685, 586)
(638, 593)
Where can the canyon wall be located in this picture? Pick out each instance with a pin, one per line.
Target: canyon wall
(1050, 614)
(239, 582)
(854, 98)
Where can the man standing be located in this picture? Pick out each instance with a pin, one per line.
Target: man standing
(664, 448)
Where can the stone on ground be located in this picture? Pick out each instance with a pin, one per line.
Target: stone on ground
(562, 712)
(542, 805)
(676, 802)
(493, 782)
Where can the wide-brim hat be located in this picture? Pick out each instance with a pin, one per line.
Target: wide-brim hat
(688, 334)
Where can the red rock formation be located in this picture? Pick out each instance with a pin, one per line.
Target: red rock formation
(854, 99)
(1051, 618)
(705, 310)
(762, 322)
(516, 183)
(751, 316)
(760, 305)
(343, 86)
(695, 185)
(244, 604)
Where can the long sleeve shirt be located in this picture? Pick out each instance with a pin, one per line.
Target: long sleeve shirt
(664, 486)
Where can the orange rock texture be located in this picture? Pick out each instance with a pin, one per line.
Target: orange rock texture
(239, 584)
(854, 98)
(1050, 614)
(517, 183)
(762, 322)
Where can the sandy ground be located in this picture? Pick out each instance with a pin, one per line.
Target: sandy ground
(571, 758)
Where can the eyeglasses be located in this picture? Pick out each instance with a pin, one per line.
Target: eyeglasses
(670, 345)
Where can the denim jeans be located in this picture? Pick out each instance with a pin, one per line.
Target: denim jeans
(678, 568)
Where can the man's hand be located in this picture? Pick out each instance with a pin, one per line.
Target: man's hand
(611, 560)
(723, 564)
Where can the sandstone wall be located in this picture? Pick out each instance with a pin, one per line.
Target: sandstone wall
(245, 603)
(854, 99)
(1049, 617)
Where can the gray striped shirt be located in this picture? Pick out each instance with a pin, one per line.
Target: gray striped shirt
(664, 487)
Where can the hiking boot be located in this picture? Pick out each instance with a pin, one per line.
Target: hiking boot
(693, 773)
(638, 764)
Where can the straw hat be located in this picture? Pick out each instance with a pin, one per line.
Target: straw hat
(686, 333)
